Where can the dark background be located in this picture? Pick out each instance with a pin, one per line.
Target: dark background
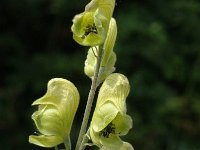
(158, 49)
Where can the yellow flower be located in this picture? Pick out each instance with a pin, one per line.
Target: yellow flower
(55, 114)
(90, 27)
(110, 120)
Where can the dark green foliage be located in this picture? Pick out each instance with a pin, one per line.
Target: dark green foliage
(158, 48)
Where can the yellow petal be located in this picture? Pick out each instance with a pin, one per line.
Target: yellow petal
(123, 123)
(45, 141)
(115, 88)
(109, 42)
(48, 121)
(103, 116)
(125, 146)
(64, 96)
(106, 7)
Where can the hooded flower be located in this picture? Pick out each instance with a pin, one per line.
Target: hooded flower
(110, 120)
(55, 114)
(90, 27)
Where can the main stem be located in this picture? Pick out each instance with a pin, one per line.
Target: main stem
(90, 100)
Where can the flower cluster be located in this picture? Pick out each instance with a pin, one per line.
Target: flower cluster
(96, 28)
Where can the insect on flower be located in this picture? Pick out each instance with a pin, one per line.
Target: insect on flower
(110, 129)
(90, 29)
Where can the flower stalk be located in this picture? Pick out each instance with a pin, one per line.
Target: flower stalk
(67, 143)
(90, 101)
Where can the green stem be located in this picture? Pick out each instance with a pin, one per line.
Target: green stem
(56, 148)
(67, 143)
(85, 140)
(89, 101)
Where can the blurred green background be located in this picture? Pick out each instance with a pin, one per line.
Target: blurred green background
(158, 49)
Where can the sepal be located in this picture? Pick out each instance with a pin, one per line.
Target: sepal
(45, 141)
(109, 42)
(124, 146)
(105, 6)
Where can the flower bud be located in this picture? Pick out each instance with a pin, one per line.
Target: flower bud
(55, 114)
(109, 68)
(110, 120)
(90, 64)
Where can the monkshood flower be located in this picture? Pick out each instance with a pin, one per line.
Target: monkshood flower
(109, 56)
(90, 27)
(55, 114)
(110, 120)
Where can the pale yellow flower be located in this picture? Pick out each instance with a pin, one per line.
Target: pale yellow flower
(55, 114)
(110, 120)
